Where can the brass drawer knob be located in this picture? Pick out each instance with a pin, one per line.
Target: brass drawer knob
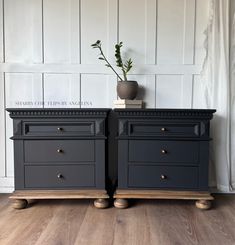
(163, 151)
(163, 129)
(163, 176)
(59, 176)
(59, 150)
(60, 129)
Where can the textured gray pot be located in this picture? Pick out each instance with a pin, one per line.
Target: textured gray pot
(127, 90)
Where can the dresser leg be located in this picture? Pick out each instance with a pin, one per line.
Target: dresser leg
(19, 203)
(203, 204)
(121, 203)
(32, 201)
(101, 203)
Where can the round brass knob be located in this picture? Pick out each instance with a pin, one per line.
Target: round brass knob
(163, 129)
(60, 129)
(163, 151)
(59, 176)
(59, 150)
(163, 176)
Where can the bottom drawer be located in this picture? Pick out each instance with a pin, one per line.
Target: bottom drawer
(163, 177)
(59, 176)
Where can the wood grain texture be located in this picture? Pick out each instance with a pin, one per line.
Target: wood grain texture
(59, 194)
(153, 222)
(160, 194)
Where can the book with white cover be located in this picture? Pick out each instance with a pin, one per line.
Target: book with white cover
(135, 104)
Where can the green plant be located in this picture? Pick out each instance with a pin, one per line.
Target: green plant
(125, 66)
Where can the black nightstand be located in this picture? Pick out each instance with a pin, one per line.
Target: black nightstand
(60, 154)
(163, 153)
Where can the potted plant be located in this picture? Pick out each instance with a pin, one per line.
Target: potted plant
(126, 89)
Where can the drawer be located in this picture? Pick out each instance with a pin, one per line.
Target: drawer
(164, 129)
(59, 176)
(164, 151)
(163, 177)
(59, 128)
(54, 151)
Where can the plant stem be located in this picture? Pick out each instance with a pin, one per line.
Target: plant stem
(124, 74)
(101, 52)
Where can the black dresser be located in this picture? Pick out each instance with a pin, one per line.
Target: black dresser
(163, 154)
(60, 154)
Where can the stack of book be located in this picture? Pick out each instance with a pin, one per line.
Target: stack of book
(134, 104)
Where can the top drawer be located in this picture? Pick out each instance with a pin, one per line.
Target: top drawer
(163, 129)
(84, 128)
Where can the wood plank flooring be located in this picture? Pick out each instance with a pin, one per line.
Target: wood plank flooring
(146, 222)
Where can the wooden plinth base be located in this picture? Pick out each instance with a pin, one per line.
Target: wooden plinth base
(22, 198)
(203, 199)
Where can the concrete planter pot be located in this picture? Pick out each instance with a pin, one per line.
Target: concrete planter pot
(127, 89)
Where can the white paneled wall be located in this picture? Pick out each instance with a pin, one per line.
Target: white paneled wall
(1, 33)
(61, 31)
(46, 58)
(61, 90)
(23, 31)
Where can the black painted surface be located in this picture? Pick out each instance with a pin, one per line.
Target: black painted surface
(169, 142)
(70, 142)
(60, 176)
(59, 129)
(164, 151)
(54, 151)
(134, 150)
(174, 177)
(155, 128)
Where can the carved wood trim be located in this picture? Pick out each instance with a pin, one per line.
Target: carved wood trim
(31, 113)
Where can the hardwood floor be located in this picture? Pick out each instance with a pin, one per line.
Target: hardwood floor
(146, 222)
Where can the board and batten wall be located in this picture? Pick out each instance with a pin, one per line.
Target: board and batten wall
(46, 58)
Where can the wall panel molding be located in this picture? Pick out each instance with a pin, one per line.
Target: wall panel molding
(100, 97)
(187, 93)
(75, 47)
(61, 22)
(2, 127)
(112, 28)
(1, 32)
(140, 42)
(189, 32)
(62, 90)
(151, 31)
(46, 55)
(170, 31)
(23, 31)
(95, 26)
(170, 87)
(98, 68)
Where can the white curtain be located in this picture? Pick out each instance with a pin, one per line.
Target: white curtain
(232, 77)
(217, 86)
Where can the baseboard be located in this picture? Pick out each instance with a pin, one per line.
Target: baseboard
(233, 185)
(6, 184)
(221, 189)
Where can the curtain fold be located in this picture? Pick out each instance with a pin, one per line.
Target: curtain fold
(217, 86)
(232, 78)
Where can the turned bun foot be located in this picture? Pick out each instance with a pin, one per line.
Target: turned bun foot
(31, 201)
(203, 204)
(120, 203)
(19, 204)
(101, 203)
